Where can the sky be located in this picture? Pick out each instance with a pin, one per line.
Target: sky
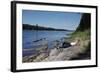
(54, 19)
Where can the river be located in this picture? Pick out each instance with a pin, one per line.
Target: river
(29, 36)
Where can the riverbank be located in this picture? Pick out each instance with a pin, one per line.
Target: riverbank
(77, 52)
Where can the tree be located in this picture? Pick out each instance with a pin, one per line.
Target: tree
(85, 22)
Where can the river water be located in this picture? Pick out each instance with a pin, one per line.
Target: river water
(30, 37)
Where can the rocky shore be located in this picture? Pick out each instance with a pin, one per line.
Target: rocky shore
(44, 54)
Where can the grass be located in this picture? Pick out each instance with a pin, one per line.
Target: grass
(85, 42)
(83, 35)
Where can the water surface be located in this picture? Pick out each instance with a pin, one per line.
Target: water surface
(29, 36)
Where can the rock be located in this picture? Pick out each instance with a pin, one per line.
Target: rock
(54, 52)
(29, 58)
(25, 59)
(41, 57)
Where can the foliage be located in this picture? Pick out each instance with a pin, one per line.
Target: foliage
(85, 22)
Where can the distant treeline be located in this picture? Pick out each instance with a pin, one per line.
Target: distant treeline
(35, 27)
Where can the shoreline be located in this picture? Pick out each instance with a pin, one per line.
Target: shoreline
(76, 52)
(54, 54)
